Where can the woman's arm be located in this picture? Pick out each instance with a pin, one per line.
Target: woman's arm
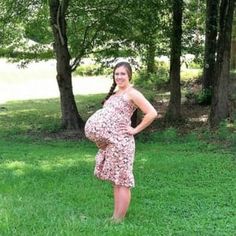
(146, 107)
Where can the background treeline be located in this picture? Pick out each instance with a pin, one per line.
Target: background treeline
(140, 31)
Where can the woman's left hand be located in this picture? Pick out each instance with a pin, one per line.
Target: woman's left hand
(131, 130)
(127, 129)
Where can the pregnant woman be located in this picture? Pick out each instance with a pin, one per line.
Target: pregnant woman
(110, 128)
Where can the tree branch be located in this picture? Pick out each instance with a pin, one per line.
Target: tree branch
(58, 26)
(90, 43)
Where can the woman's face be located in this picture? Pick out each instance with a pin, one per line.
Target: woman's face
(121, 77)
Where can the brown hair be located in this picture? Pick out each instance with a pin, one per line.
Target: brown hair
(113, 86)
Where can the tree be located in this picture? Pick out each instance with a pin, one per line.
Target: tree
(70, 117)
(232, 82)
(77, 29)
(150, 28)
(20, 25)
(210, 43)
(140, 29)
(193, 29)
(87, 22)
(220, 100)
(174, 111)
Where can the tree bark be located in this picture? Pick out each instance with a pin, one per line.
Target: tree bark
(71, 119)
(220, 100)
(232, 82)
(174, 107)
(151, 50)
(210, 43)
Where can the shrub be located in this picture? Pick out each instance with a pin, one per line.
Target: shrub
(152, 81)
(92, 70)
(204, 97)
(190, 75)
(194, 65)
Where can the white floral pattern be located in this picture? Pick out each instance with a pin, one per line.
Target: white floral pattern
(114, 162)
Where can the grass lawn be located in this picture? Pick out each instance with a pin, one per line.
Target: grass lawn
(184, 186)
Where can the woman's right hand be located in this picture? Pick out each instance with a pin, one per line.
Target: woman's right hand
(101, 145)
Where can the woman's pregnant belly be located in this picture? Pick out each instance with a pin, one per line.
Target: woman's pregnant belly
(105, 125)
(99, 128)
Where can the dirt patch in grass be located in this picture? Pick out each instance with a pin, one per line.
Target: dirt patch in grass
(194, 117)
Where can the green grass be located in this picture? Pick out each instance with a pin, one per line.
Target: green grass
(184, 186)
(21, 117)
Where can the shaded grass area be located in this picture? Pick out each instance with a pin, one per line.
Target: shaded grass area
(184, 186)
(41, 115)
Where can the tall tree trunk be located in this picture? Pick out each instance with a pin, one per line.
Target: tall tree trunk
(210, 43)
(71, 119)
(220, 101)
(232, 82)
(174, 107)
(151, 50)
(233, 43)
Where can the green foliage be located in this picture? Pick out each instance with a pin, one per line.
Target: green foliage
(194, 29)
(204, 97)
(25, 33)
(160, 79)
(194, 65)
(38, 28)
(93, 27)
(152, 81)
(106, 29)
(190, 74)
(92, 70)
(150, 22)
(201, 97)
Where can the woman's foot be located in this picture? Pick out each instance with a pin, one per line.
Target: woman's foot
(116, 220)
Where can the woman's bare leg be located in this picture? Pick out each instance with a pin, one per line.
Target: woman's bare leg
(122, 197)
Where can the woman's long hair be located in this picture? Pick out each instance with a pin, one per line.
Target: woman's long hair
(113, 86)
(128, 68)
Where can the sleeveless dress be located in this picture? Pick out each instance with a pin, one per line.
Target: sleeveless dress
(114, 162)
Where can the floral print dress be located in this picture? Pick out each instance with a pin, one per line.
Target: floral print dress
(114, 161)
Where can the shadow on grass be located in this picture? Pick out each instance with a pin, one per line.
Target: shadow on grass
(41, 116)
